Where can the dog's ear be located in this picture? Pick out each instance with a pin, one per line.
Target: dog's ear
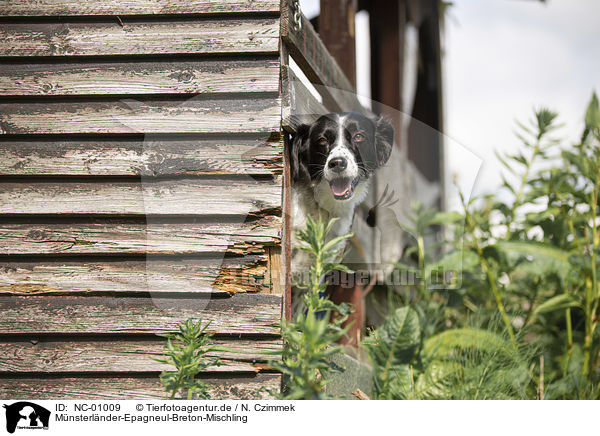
(299, 154)
(384, 140)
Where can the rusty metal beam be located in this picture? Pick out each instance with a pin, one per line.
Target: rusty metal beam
(336, 28)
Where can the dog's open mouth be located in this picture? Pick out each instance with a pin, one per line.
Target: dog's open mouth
(343, 188)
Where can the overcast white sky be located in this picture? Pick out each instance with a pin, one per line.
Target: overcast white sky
(505, 57)
(501, 59)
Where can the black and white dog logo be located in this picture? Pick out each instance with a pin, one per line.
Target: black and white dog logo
(26, 415)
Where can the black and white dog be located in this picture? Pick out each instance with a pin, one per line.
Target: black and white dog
(332, 161)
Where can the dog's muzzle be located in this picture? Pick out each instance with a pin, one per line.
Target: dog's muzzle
(343, 187)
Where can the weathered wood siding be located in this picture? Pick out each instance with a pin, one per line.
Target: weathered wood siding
(141, 167)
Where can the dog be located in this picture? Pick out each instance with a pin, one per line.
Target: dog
(332, 162)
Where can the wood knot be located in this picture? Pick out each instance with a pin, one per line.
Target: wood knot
(186, 76)
(182, 76)
(36, 235)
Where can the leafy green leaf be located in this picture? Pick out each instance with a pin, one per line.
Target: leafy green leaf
(536, 258)
(443, 344)
(559, 302)
(455, 261)
(506, 165)
(437, 380)
(445, 218)
(592, 114)
(545, 118)
(335, 241)
(394, 344)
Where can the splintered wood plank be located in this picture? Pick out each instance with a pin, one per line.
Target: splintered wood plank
(196, 115)
(166, 197)
(276, 270)
(208, 276)
(26, 8)
(132, 388)
(239, 314)
(118, 237)
(125, 355)
(164, 77)
(140, 38)
(153, 156)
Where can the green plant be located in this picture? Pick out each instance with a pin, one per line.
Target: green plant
(430, 271)
(392, 348)
(465, 363)
(570, 236)
(544, 260)
(311, 337)
(528, 264)
(187, 352)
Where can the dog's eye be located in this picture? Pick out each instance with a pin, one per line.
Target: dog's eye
(323, 141)
(359, 137)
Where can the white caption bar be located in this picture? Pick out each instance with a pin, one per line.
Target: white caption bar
(312, 418)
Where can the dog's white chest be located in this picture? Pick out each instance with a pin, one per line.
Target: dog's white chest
(318, 202)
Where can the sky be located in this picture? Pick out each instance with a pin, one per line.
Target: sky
(502, 59)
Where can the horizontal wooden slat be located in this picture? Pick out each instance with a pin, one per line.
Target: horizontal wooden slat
(124, 355)
(168, 197)
(212, 276)
(309, 52)
(226, 115)
(116, 237)
(132, 7)
(239, 314)
(248, 35)
(165, 77)
(298, 104)
(162, 156)
(130, 388)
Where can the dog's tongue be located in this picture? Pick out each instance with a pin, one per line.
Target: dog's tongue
(340, 187)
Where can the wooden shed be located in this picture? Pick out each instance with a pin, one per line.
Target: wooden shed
(143, 181)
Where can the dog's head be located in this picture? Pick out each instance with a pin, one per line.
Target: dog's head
(342, 150)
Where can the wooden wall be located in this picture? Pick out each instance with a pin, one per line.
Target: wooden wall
(140, 185)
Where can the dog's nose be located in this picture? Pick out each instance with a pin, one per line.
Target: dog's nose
(338, 164)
